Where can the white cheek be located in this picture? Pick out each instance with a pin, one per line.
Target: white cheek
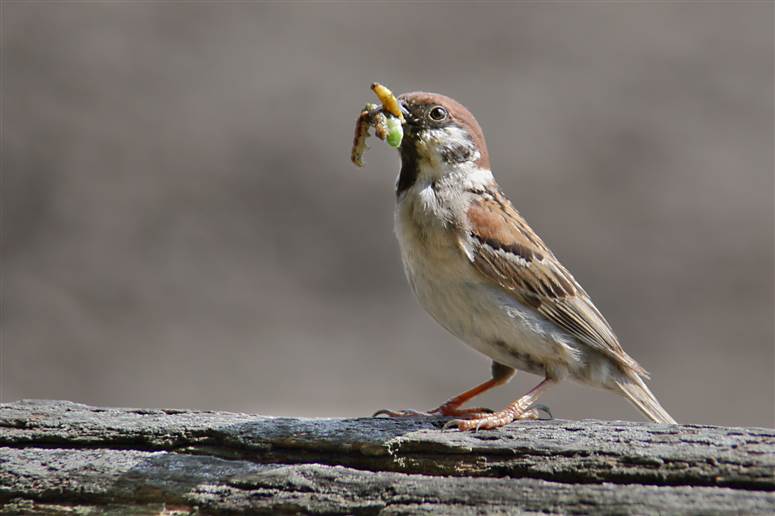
(433, 142)
(449, 134)
(438, 177)
(452, 137)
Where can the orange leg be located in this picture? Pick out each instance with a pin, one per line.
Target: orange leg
(523, 408)
(501, 374)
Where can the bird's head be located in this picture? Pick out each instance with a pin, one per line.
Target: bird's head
(440, 137)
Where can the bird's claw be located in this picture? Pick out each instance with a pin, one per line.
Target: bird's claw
(465, 424)
(468, 413)
(452, 423)
(538, 409)
(498, 419)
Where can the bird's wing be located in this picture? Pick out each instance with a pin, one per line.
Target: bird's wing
(503, 248)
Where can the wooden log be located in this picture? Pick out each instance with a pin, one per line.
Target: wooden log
(57, 456)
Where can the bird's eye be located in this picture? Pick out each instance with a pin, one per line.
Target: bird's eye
(438, 113)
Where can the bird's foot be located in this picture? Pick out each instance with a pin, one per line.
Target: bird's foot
(500, 418)
(444, 410)
(453, 410)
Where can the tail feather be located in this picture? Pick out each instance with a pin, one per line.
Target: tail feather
(635, 390)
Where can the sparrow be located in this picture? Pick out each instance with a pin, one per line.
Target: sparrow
(482, 273)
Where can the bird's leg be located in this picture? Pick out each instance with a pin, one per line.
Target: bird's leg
(501, 374)
(523, 408)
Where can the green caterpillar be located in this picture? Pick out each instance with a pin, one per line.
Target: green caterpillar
(395, 132)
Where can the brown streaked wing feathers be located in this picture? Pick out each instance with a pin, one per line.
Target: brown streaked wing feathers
(506, 251)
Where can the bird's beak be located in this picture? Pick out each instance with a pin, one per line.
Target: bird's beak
(404, 110)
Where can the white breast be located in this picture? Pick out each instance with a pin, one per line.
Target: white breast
(446, 284)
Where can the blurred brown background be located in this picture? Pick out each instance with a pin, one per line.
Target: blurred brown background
(182, 225)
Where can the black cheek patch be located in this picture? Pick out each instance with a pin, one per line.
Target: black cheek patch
(457, 153)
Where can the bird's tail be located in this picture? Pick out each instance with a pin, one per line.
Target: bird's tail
(635, 390)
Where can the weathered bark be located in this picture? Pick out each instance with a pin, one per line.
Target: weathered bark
(58, 455)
